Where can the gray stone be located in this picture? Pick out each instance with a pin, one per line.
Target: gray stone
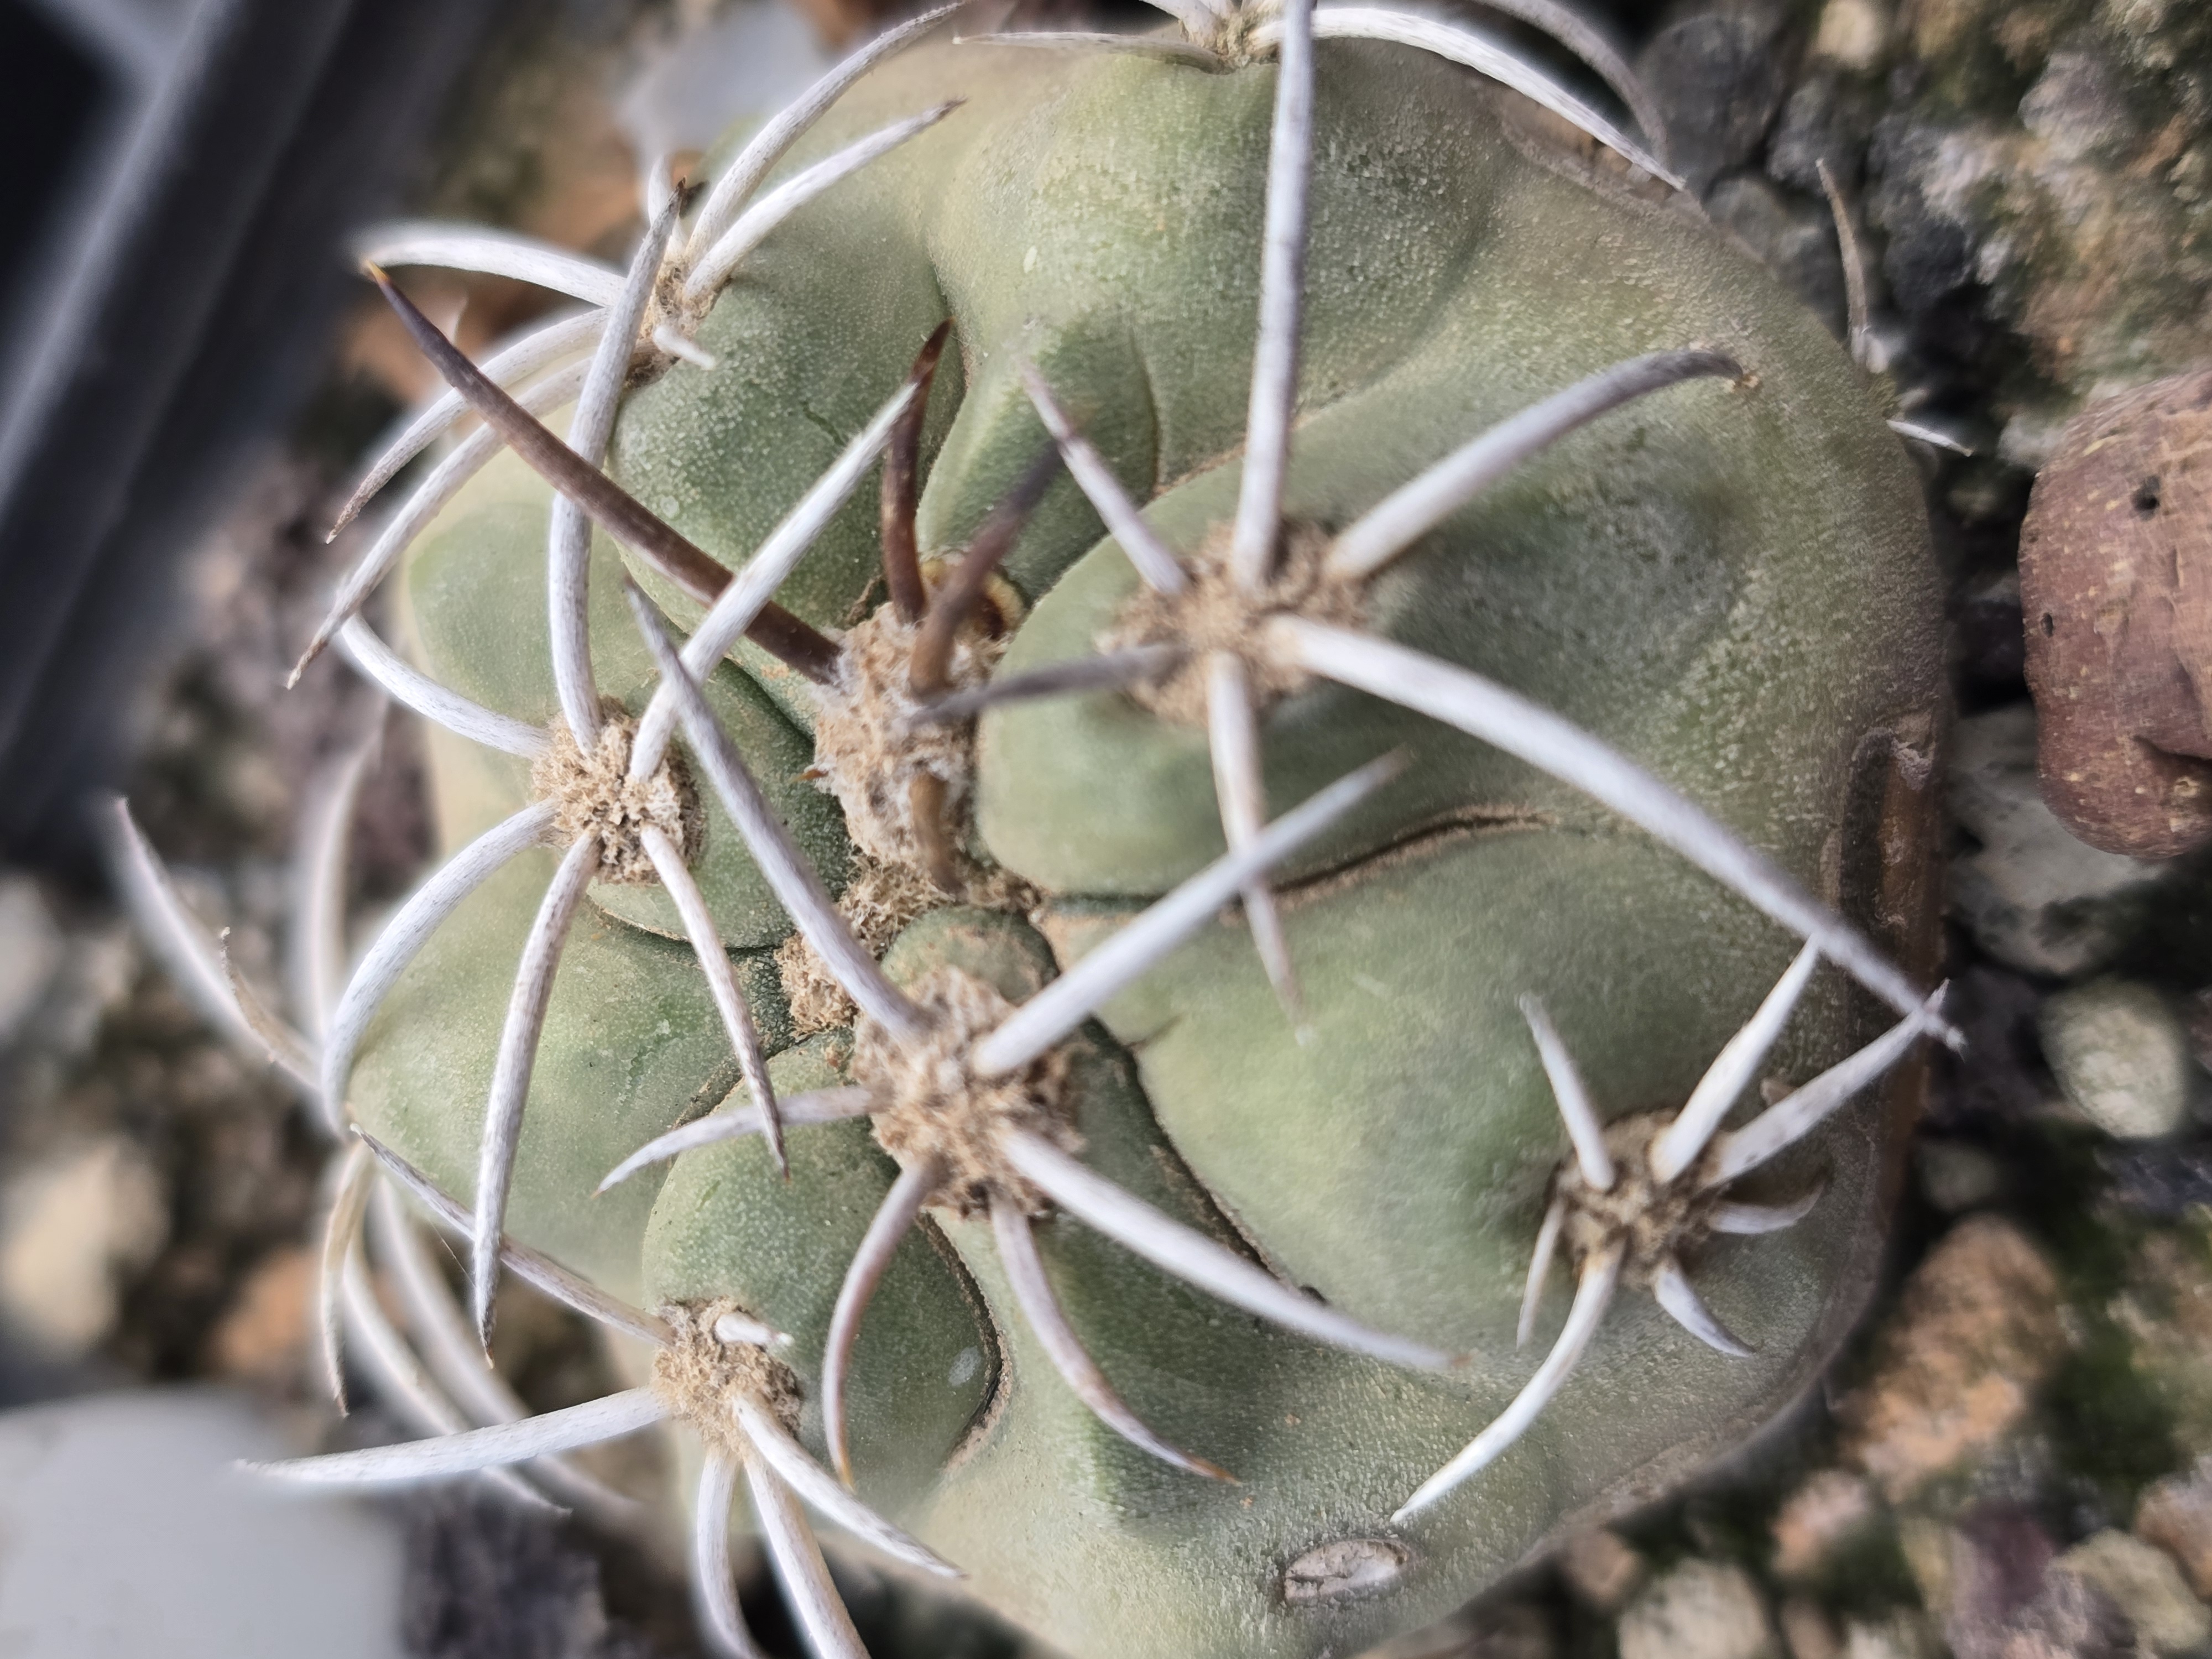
(1703, 1608)
(1956, 1176)
(2144, 1585)
(2079, 107)
(2032, 895)
(1903, 1635)
(487, 1579)
(2120, 1051)
(1828, 118)
(1921, 176)
(1718, 81)
(2004, 1601)
(126, 1528)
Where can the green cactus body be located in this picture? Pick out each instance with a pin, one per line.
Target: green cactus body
(1729, 581)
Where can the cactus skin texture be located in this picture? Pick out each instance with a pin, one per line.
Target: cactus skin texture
(1728, 581)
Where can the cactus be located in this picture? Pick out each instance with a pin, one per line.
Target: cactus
(1518, 627)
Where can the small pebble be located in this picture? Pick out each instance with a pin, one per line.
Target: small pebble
(1902, 1635)
(69, 1227)
(1807, 1632)
(1956, 1176)
(2144, 1583)
(2176, 1515)
(262, 1338)
(1975, 1332)
(1830, 1509)
(2163, 1180)
(1601, 1570)
(2121, 1052)
(31, 953)
(2034, 896)
(2006, 1603)
(1854, 32)
(1926, 1545)
(1703, 1608)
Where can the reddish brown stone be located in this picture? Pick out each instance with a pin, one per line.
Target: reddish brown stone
(1975, 1333)
(2116, 592)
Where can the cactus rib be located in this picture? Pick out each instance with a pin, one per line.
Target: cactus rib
(1410, 512)
(894, 1218)
(751, 228)
(1015, 1234)
(1485, 55)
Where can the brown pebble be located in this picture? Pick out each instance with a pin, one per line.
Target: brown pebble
(2116, 595)
(1976, 1333)
(1806, 1631)
(1827, 1511)
(261, 1337)
(2176, 1515)
(1601, 1570)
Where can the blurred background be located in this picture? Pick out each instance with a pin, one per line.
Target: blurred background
(189, 369)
